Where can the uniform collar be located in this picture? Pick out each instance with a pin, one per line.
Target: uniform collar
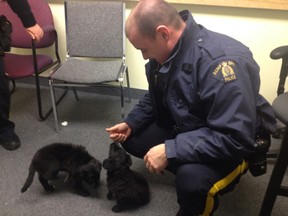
(186, 35)
(166, 66)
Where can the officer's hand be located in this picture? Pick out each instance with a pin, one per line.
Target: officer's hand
(155, 159)
(119, 132)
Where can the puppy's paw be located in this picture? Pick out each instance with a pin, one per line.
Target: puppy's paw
(117, 208)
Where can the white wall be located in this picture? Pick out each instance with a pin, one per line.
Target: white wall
(261, 30)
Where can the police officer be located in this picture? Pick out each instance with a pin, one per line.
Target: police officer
(8, 138)
(199, 117)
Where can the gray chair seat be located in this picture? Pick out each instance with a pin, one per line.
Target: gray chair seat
(280, 107)
(70, 71)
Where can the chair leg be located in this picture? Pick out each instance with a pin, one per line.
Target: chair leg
(43, 116)
(122, 92)
(39, 102)
(274, 186)
(54, 107)
(55, 103)
(37, 82)
(75, 93)
(38, 95)
(122, 99)
(128, 85)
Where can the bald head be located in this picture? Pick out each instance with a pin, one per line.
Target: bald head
(149, 14)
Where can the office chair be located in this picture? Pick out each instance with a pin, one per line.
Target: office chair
(280, 107)
(30, 62)
(95, 48)
(275, 54)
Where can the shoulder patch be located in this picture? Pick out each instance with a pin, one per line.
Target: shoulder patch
(225, 71)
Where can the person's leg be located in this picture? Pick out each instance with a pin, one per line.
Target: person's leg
(8, 139)
(140, 142)
(198, 185)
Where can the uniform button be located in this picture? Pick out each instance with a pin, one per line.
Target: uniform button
(200, 40)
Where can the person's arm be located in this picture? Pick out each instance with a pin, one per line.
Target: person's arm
(141, 115)
(22, 9)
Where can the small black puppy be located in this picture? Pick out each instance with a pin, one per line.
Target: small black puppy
(129, 188)
(73, 159)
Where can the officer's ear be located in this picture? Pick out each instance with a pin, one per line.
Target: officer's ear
(163, 32)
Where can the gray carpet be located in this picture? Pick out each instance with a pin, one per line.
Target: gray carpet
(87, 120)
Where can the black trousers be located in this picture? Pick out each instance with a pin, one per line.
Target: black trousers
(197, 184)
(6, 126)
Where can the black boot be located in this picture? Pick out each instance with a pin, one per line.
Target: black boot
(10, 142)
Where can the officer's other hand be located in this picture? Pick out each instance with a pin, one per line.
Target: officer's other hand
(155, 159)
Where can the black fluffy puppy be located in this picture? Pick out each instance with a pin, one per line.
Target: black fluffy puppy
(73, 159)
(130, 189)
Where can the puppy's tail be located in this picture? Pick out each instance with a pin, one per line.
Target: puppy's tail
(29, 179)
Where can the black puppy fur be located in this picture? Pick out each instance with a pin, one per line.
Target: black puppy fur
(129, 188)
(73, 159)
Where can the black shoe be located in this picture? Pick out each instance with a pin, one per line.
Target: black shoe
(10, 142)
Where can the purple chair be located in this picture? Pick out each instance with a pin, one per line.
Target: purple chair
(26, 65)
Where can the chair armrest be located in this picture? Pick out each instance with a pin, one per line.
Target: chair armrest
(279, 52)
(50, 36)
(48, 28)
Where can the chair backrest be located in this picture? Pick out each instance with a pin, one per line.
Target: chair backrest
(278, 53)
(43, 16)
(95, 29)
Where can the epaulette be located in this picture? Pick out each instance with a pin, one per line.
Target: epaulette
(212, 49)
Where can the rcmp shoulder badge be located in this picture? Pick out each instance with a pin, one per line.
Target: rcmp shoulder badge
(225, 71)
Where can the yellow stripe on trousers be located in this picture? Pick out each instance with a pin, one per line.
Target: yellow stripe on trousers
(221, 184)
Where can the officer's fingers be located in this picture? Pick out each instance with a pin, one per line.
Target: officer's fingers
(122, 138)
(108, 130)
(118, 137)
(114, 137)
(111, 129)
(151, 169)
